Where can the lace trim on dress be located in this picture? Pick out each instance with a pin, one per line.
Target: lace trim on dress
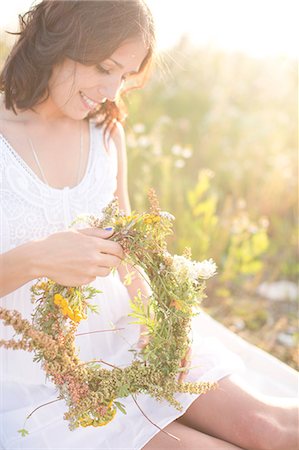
(30, 209)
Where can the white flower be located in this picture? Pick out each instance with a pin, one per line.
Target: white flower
(187, 269)
(167, 215)
(183, 267)
(176, 149)
(161, 268)
(144, 141)
(205, 269)
(186, 152)
(179, 163)
(139, 128)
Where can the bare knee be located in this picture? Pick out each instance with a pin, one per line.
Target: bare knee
(187, 438)
(259, 431)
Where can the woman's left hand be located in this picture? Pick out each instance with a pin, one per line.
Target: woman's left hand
(143, 337)
(185, 363)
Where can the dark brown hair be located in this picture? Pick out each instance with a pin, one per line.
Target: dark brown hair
(83, 30)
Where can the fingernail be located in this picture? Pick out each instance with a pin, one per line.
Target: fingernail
(108, 228)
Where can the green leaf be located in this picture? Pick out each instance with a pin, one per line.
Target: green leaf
(123, 391)
(23, 432)
(121, 407)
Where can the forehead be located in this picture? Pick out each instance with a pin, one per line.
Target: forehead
(130, 54)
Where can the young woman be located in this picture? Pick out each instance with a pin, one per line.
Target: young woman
(62, 154)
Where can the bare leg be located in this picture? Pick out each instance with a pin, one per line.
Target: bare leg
(237, 414)
(190, 439)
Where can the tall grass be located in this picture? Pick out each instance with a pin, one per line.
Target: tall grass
(216, 136)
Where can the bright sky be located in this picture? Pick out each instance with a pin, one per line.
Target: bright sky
(258, 27)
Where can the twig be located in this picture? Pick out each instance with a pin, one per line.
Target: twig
(99, 331)
(155, 425)
(100, 361)
(44, 404)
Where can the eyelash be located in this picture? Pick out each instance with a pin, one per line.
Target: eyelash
(108, 72)
(102, 70)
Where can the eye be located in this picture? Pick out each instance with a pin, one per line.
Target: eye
(102, 70)
(128, 75)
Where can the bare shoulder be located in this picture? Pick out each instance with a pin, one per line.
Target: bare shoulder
(118, 136)
(8, 119)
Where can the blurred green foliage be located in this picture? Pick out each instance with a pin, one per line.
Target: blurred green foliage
(215, 134)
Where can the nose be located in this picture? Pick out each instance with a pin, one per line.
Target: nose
(111, 89)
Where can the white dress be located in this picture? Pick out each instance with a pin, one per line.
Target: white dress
(30, 209)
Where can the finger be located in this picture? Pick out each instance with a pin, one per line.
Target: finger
(110, 261)
(102, 243)
(185, 363)
(188, 354)
(109, 247)
(184, 373)
(142, 342)
(97, 232)
(144, 337)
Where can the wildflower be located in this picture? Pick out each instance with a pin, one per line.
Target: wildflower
(139, 128)
(166, 215)
(176, 149)
(205, 269)
(187, 269)
(57, 299)
(179, 163)
(151, 218)
(186, 152)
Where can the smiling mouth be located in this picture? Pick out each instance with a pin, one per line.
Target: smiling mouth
(89, 103)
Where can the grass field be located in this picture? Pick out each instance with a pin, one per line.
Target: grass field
(216, 135)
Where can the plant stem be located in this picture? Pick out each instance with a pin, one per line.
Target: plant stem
(155, 425)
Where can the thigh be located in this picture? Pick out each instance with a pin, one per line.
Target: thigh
(188, 438)
(234, 413)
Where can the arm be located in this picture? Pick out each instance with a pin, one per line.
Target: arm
(71, 258)
(17, 267)
(138, 281)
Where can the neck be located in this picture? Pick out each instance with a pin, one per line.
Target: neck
(45, 112)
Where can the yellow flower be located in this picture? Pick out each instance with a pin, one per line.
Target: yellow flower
(63, 303)
(57, 299)
(71, 315)
(85, 421)
(42, 285)
(68, 310)
(151, 218)
(77, 317)
(110, 403)
(101, 422)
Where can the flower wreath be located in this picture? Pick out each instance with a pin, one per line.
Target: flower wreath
(91, 391)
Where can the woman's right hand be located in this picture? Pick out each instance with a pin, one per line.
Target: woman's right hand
(77, 257)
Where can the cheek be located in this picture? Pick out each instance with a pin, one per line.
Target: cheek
(62, 87)
(62, 94)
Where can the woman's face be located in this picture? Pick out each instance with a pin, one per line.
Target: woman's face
(76, 89)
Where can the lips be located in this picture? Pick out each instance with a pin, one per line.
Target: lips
(88, 102)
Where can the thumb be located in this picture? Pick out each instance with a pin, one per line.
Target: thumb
(98, 232)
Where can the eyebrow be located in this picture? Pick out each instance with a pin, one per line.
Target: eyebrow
(121, 66)
(117, 63)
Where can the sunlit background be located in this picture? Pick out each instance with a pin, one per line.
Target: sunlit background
(215, 133)
(257, 27)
